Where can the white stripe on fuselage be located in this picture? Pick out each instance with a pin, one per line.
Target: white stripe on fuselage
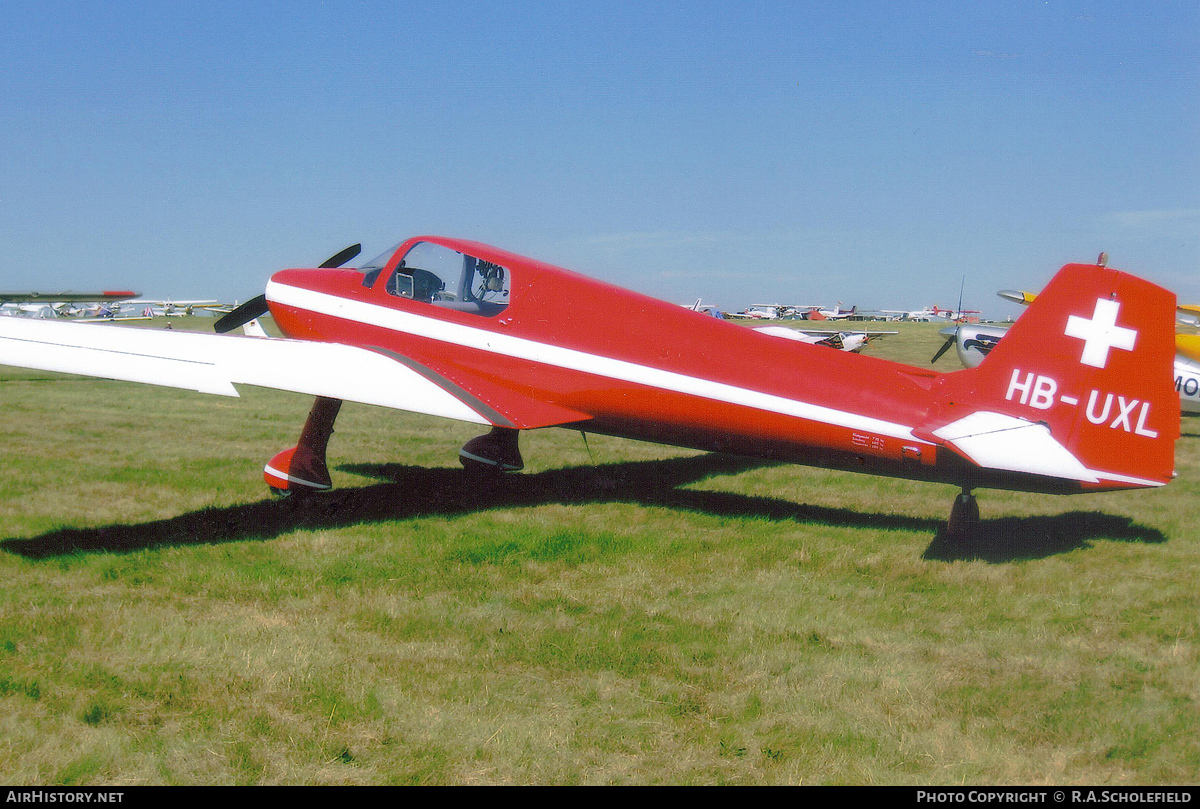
(571, 359)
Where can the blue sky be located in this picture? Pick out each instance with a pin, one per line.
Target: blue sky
(873, 153)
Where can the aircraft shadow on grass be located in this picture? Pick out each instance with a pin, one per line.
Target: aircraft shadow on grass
(413, 492)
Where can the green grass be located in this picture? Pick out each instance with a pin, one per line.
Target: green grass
(619, 613)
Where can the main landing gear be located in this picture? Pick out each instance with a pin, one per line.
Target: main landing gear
(302, 468)
(964, 516)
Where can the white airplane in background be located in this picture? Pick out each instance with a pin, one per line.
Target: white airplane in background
(763, 311)
(705, 309)
(59, 304)
(853, 341)
(39, 310)
(106, 305)
(931, 314)
(829, 313)
(784, 311)
(919, 315)
(173, 308)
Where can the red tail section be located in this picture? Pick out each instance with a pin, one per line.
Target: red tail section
(1079, 389)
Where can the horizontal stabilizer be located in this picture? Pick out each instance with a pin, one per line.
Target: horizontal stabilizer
(997, 441)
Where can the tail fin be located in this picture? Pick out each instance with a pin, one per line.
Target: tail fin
(1080, 388)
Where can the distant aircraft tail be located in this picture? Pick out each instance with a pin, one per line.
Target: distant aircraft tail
(1080, 388)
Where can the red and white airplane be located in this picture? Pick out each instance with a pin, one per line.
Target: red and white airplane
(458, 329)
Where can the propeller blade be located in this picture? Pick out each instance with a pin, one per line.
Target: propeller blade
(255, 307)
(342, 257)
(945, 347)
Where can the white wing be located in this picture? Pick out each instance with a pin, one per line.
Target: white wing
(214, 363)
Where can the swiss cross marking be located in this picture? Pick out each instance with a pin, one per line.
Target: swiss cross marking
(1100, 333)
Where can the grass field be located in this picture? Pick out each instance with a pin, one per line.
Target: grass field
(618, 613)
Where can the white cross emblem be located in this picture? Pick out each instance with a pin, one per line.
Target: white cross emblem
(1100, 333)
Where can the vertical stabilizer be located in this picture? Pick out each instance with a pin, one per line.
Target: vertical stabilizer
(1080, 388)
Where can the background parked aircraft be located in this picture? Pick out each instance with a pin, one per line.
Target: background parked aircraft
(854, 341)
(932, 314)
(828, 313)
(763, 311)
(707, 309)
(59, 304)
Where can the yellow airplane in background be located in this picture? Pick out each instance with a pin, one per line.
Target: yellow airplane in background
(1189, 344)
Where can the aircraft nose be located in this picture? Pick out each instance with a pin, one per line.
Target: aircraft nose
(258, 306)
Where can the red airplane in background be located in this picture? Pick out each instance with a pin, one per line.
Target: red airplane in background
(462, 330)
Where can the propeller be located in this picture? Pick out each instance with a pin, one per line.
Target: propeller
(257, 307)
(951, 332)
(341, 258)
(951, 336)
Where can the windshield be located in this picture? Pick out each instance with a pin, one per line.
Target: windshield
(447, 278)
(380, 260)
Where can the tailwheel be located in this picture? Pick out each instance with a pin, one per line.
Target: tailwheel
(964, 516)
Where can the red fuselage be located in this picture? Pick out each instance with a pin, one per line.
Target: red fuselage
(571, 351)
